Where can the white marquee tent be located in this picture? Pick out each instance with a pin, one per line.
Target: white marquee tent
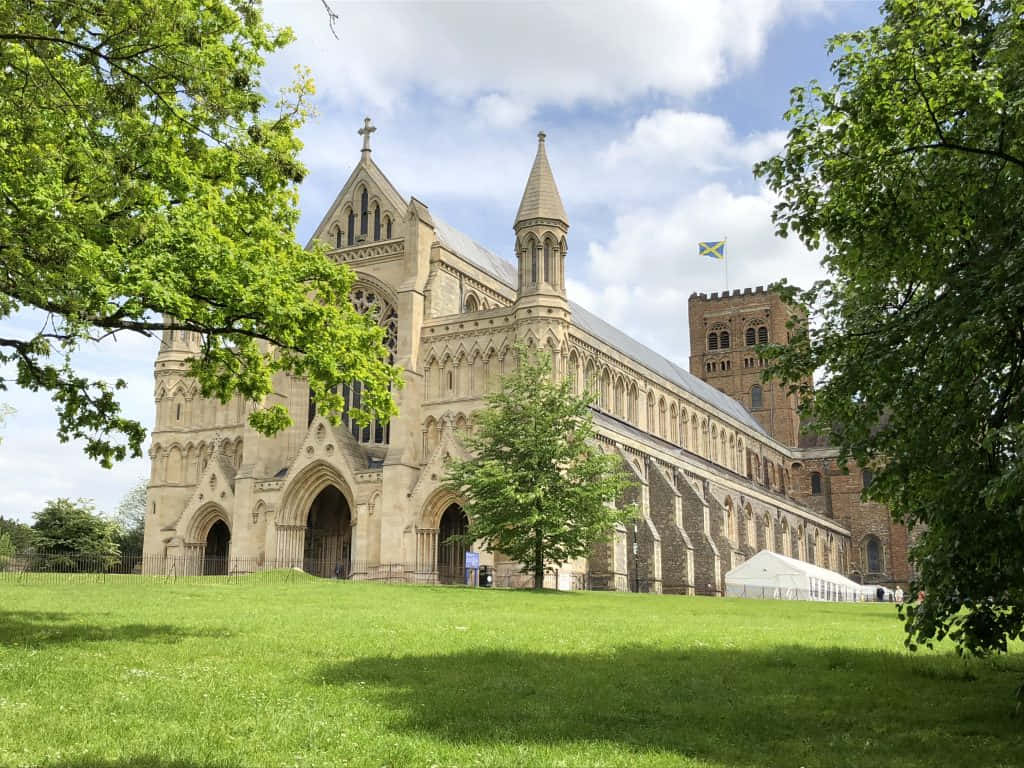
(777, 577)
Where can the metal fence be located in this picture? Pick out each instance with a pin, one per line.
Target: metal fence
(75, 567)
(35, 567)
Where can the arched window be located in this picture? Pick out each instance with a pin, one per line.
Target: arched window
(533, 265)
(867, 477)
(661, 418)
(714, 443)
(364, 212)
(470, 303)
(351, 227)
(751, 337)
(548, 274)
(376, 223)
(815, 484)
(673, 424)
(632, 404)
(762, 335)
(650, 412)
(368, 301)
(873, 553)
(387, 227)
(573, 372)
(723, 339)
(712, 341)
(755, 398)
(337, 237)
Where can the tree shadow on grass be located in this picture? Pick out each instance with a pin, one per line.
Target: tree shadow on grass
(36, 629)
(792, 705)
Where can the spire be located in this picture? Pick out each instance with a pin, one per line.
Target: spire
(540, 198)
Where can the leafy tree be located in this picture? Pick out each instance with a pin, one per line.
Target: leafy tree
(21, 535)
(909, 173)
(538, 487)
(131, 518)
(6, 549)
(147, 187)
(73, 535)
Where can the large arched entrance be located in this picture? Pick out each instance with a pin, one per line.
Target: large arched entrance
(328, 546)
(451, 555)
(215, 554)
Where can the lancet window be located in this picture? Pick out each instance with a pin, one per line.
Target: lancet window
(366, 300)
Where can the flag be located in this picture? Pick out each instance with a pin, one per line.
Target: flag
(716, 249)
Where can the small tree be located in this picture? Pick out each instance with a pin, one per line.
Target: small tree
(538, 488)
(131, 518)
(21, 534)
(6, 549)
(72, 531)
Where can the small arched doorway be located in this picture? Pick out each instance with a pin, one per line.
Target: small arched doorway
(215, 554)
(328, 546)
(451, 555)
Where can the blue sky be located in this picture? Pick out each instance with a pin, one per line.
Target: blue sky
(654, 114)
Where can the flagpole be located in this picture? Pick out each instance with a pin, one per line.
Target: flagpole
(725, 262)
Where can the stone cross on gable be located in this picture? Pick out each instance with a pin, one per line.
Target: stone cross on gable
(365, 132)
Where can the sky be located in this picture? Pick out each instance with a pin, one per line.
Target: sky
(654, 114)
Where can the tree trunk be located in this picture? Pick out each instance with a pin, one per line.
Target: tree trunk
(538, 559)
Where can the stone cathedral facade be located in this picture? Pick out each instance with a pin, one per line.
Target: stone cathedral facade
(718, 476)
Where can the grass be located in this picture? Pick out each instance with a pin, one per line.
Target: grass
(320, 673)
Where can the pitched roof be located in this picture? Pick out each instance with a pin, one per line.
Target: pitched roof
(540, 198)
(464, 246)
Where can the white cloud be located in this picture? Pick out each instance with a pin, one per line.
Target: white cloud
(497, 111)
(641, 278)
(603, 52)
(689, 141)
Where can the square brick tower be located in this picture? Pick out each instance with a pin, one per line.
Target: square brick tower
(724, 332)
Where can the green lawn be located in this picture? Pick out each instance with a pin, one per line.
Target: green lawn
(311, 673)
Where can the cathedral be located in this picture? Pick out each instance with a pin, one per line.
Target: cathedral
(720, 467)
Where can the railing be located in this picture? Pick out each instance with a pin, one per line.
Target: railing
(194, 568)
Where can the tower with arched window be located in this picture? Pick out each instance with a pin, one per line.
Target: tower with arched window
(541, 228)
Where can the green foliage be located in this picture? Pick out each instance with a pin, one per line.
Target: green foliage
(6, 548)
(20, 534)
(909, 173)
(148, 187)
(131, 518)
(538, 488)
(72, 533)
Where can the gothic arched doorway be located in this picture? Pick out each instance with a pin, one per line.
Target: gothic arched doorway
(215, 554)
(328, 546)
(451, 555)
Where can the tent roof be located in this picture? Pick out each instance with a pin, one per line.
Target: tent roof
(776, 563)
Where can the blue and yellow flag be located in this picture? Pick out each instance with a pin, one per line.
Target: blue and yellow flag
(716, 249)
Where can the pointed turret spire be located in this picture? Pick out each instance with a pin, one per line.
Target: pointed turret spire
(540, 198)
